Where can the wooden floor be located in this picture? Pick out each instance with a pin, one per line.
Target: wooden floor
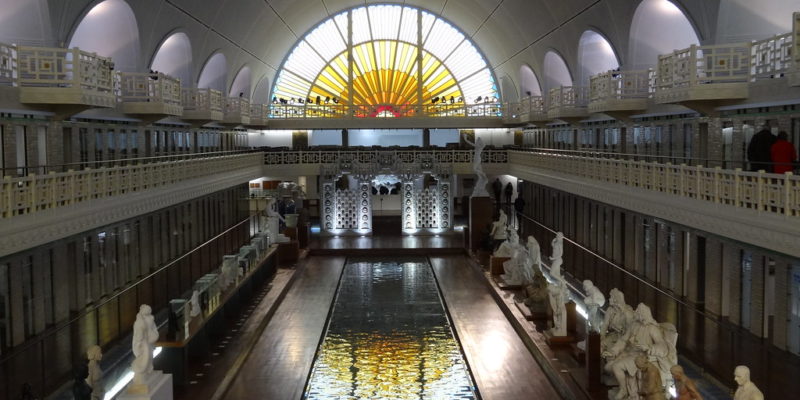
(280, 362)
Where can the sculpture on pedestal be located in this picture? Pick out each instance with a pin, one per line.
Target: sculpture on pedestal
(534, 254)
(477, 168)
(644, 337)
(499, 232)
(273, 218)
(684, 386)
(194, 304)
(95, 375)
(536, 294)
(650, 387)
(747, 390)
(558, 247)
(559, 295)
(594, 300)
(619, 316)
(145, 334)
(516, 269)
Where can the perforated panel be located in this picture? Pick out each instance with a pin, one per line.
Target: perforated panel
(427, 209)
(347, 205)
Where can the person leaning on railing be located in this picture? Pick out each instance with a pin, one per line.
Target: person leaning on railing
(783, 154)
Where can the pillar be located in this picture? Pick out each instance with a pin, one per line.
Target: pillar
(345, 138)
(426, 137)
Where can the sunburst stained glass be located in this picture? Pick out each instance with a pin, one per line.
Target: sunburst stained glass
(383, 61)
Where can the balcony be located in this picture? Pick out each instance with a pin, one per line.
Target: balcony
(529, 110)
(259, 115)
(65, 81)
(620, 94)
(568, 103)
(794, 72)
(704, 77)
(150, 96)
(8, 64)
(201, 106)
(447, 114)
(236, 112)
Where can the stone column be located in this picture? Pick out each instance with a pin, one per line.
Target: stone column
(426, 137)
(345, 139)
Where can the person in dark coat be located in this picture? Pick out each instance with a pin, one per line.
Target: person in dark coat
(759, 150)
(509, 192)
(497, 188)
(783, 154)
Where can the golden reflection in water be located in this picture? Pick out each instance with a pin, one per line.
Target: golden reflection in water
(391, 365)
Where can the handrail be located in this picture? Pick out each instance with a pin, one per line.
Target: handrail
(289, 157)
(47, 168)
(674, 159)
(440, 109)
(568, 96)
(771, 57)
(59, 67)
(701, 65)
(32, 193)
(621, 85)
(775, 193)
(622, 269)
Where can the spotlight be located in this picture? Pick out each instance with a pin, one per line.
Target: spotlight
(274, 100)
(319, 100)
(452, 99)
(478, 100)
(434, 100)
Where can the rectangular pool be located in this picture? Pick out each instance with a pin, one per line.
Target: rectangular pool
(389, 337)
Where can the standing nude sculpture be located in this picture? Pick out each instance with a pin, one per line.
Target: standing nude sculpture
(477, 168)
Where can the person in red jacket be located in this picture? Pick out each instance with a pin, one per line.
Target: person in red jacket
(783, 154)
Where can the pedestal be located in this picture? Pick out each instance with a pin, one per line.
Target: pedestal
(496, 265)
(303, 235)
(572, 318)
(480, 218)
(288, 253)
(594, 369)
(157, 387)
(290, 232)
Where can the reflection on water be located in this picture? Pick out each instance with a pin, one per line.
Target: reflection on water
(389, 338)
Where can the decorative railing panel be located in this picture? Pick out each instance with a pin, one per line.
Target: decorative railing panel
(622, 85)
(201, 99)
(772, 57)
(291, 157)
(149, 88)
(703, 65)
(753, 190)
(440, 109)
(237, 106)
(64, 68)
(33, 193)
(568, 97)
(259, 111)
(8, 64)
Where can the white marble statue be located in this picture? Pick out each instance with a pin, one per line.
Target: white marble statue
(645, 337)
(559, 295)
(517, 271)
(534, 254)
(94, 354)
(500, 229)
(594, 300)
(558, 247)
(477, 168)
(619, 316)
(145, 334)
(194, 304)
(747, 390)
(273, 223)
(555, 268)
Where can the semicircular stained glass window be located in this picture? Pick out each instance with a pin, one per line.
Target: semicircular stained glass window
(402, 58)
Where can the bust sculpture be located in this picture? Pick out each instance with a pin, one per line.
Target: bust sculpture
(684, 386)
(650, 387)
(95, 375)
(559, 294)
(477, 168)
(145, 334)
(500, 227)
(747, 390)
(594, 300)
(645, 337)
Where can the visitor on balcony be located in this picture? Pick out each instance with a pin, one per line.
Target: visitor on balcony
(783, 154)
(759, 150)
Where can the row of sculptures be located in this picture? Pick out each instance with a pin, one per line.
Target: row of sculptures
(640, 353)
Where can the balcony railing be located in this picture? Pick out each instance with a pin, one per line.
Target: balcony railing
(208, 100)
(8, 65)
(259, 114)
(568, 97)
(753, 190)
(444, 109)
(238, 106)
(34, 193)
(704, 65)
(157, 87)
(771, 58)
(621, 85)
(444, 156)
